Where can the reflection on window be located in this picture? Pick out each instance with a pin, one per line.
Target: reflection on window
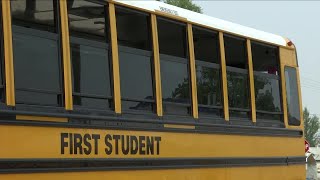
(174, 67)
(87, 18)
(237, 77)
(135, 60)
(267, 96)
(238, 90)
(292, 96)
(266, 81)
(36, 14)
(89, 53)
(206, 47)
(36, 50)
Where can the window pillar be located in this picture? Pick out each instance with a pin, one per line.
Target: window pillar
(224, 77)
(192, 73)
(66, 55)
(156, 58)
(284, 95)
(251, 82)
(115, 59)
(8, 54)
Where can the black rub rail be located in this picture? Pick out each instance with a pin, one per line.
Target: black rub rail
(75, 165)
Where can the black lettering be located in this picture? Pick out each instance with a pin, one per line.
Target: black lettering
(150, 145)
(95, 137)
(77, 143)
(134, 145)
(86, 138)
(71, 143)
(64, 144)
(158, 139)
(107, 140)
(142, 145)
(116, 141)
(125, 145)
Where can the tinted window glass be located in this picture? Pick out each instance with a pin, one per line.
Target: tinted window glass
(172, 38)
(174, 67)
(206, 47)
(265, 58)
(266, 81)
(267, 94)
(36, 50)
(135, 60)
(238, 90)
(209, 90)
(89, 52)
(235, 51)
(292, 96)
(133, 29)
(237, 76)
(175, 87)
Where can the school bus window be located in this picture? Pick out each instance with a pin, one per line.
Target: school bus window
(266, 81)
(207, 55)
(134, 40)
(2, 92)
(89, 54)
(237, 77)
(292, 96)
(174, 67)
(36, 52)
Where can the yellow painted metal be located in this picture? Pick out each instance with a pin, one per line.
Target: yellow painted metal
(192, 72)
(224, 78)
(251, 81)
(284, 96)
(179, 126)
(23, 143)
(65, 42)
(288, 57)
(8, 53)
(292, 172)
(41, 118)
(115, 59)
(156, 62)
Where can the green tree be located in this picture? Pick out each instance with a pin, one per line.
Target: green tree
(185, 4)
(311, 126)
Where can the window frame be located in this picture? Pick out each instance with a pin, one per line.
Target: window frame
(55, 35)
(240, 71)
(274, 77)
(216, 67)
(143, 52)
(183, 60)
(103, 44)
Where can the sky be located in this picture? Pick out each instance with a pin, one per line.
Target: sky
(296, 20)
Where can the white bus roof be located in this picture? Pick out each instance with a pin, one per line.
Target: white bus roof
(207, 20)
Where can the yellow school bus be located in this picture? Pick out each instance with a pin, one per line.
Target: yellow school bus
(96, 89)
